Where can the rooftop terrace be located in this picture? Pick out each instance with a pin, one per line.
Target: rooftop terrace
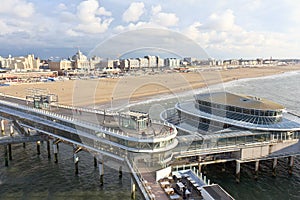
(237, 100)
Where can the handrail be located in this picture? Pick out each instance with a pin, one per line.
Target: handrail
(109, 131)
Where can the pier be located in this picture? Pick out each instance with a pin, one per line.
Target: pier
(143, 148)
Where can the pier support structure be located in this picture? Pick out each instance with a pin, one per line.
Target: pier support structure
(291, 164)
(11, 128)
(238, 171)
(2, 127)
(48, 149)
(38, 147)
(133, 189)
(101, 171)
(55, 152)
(224, 167)
(274, 167)
(200, 167)
(76, 158)
(9, 152)
(5, 155)
(256, 169)
(120, 172)
(95, 161)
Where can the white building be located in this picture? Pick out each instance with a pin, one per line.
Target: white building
(172, 62)
(152, 61)
(144, 62)
(60, 66)
(81, 61)
(133, 63)
(124, 65)
(160, 62)
(21, 63)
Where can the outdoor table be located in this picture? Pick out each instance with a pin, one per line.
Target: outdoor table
(169, 190)
(164, 183)
(174, 196)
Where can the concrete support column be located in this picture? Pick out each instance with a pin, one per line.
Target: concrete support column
(120, 172)
(11, 128)
(76, 160)
(223, 168)
(57, 146)
(95, 161)
(101, 171)
(274, 167)
(200, 167)
(133, 189)
(38, 147)
(9, 152)
(2, 127)
(55, 153)
(238, 171)
(291, 164)
(5, 155)
(48, 149)
(256, 169)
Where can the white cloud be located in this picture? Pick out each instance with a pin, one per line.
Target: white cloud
(134, 12)
(19, 8)
(88, 15)
(62, 6)
(102, 11)
(156, 9)
(222, 21)
(221, 35)
(193, 31)
(72, 33)
(157, 19)
(165, 19)
(162, 18)
(95, 27)
(67, 17)
(4, 29)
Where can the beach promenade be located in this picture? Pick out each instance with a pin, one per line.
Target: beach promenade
(105, 90)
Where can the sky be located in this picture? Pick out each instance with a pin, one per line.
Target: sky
(224, 29)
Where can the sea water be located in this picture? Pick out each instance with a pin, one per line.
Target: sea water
(30, 176)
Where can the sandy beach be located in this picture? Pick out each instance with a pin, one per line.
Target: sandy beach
(100, 91)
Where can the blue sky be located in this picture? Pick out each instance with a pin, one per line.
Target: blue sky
(223, 28)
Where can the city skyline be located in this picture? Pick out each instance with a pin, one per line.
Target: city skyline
(243, 29)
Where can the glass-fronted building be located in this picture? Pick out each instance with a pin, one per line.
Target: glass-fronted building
(224, 119)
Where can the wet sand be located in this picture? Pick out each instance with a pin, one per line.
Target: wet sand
(100, 91)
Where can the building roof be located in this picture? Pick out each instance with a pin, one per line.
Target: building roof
(216, 192)
(135, 114)
(237, 100)
(290, 122)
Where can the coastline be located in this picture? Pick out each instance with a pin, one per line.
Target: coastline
(139, 88)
